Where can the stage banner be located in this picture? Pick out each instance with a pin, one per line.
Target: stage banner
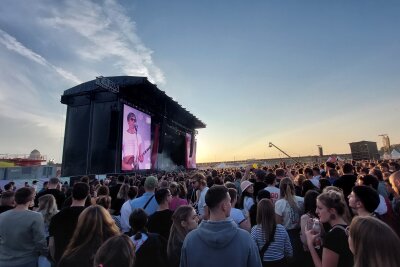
(190, 161)
(154, 151)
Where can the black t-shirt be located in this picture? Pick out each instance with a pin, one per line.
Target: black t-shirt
(160, 223)
(5, 208)
(337, 241)
(258, 186)
(58, 195)
(62, 227)
(346, 183)
(153, 252)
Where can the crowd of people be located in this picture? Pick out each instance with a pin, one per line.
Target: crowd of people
(340, 214)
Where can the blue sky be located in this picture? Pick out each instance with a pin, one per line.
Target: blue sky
(295, 73)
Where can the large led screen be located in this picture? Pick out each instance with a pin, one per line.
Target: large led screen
(136, 140)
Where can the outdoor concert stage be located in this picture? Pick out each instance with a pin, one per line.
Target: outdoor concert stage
(125, 124)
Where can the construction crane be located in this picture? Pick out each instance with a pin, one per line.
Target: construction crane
(272, 145)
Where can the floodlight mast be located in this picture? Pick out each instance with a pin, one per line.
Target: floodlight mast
(272, 145)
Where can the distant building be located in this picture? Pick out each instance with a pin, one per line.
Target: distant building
(364, 150)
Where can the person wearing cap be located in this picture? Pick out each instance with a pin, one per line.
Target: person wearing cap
(363, 200)
(246, 199)
(147, 202)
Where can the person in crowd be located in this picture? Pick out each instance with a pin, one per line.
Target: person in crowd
(94, 227)
(298, 184)
(373, 243)
(48, 208)
(9, 187)
(270, 180)
(236, 214)
(246, 199)
(218, 241)
(323, 182)
(63, 224)
(381, 186)
(114, 190)
(146, 202)
(288, 210)
(176, 201)
(105, 202)
(253, 210)
(310, 206)
(347, 180)
(108, 256)
(279, 174)
(132, 192)
(306, 186)
(363, 200)
(259, 184)
(150, 248)
(201, 187)
(22, 237)
(316, 175)
(53, 189)
(373, 182)
(333, 175)
(331, 209)
(7, 201)
(160, 221)
(184, 220)
(122, 197)
(272, 239)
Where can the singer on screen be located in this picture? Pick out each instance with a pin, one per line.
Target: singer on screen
(132, 145)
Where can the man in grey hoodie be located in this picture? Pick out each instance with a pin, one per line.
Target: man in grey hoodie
(218, 241)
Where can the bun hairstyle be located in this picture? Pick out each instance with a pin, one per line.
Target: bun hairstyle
(333, 200)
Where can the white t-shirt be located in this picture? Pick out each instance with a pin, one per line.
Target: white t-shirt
(202, 201)
(131, 144)
(382, 207)
(275, 193)
(290, 218)
(247, 203)
(237, 216)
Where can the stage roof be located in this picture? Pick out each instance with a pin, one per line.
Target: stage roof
(144, 94)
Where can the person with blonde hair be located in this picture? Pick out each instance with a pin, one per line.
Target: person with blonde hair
(184, 220)
(94, 227)
(331, 208)
(288, 210)
(373, 243)
(48, 208)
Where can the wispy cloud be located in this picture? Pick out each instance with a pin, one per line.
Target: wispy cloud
(12, 44)
(107, 33)
(66, 43)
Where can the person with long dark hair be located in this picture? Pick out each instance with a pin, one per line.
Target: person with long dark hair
(184, 220)
(272, 239)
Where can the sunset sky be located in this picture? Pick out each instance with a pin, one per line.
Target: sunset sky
(295, 73)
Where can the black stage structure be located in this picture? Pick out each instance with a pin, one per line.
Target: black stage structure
(93, 127)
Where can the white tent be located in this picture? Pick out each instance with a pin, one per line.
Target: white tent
(395, 154)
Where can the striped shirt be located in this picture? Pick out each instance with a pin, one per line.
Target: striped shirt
(279, 248)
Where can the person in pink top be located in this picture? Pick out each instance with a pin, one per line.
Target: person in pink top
(176, 201)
